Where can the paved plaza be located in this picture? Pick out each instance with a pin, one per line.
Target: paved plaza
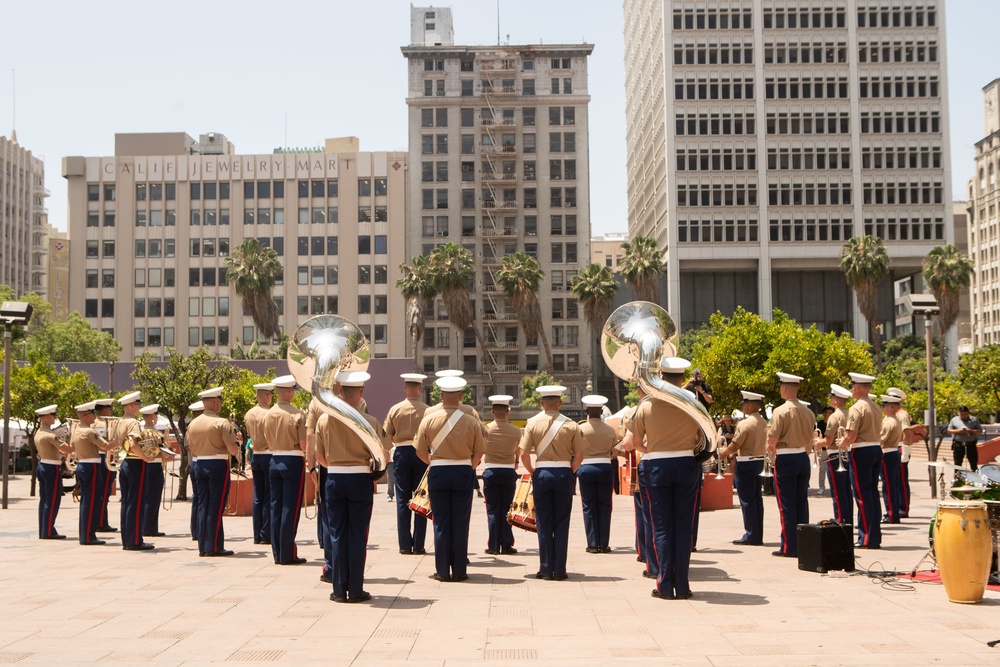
(65, 604)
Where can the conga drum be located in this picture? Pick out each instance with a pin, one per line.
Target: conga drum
(522, 510)
(421, 500)
(963, 548)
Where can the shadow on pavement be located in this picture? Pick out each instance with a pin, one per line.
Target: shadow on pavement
(388, 580)
(709, 574)
(731, 599)
(387, 602)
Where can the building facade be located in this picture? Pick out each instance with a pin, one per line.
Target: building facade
(498, 145)
(59, 274)
(23, 219)
(151, 227)
(606, 250)
(983, 327)
(762, 134)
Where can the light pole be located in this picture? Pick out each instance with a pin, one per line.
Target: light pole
(926, 305)
(11, 313)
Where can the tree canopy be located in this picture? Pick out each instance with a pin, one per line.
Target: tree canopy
(865, 263)
(529, 399)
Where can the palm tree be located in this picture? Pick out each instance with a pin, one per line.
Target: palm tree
(947, 272)
(641, 265)
(865, 263)
(595, 290)
(252, 270)
(518, 278)
(418, 289)
(452, 268)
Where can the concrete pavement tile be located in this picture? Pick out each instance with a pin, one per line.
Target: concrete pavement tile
(446, 643)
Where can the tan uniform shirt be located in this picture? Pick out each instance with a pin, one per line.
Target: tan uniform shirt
(891, 433)
(751, 435)
(599, 438)
(865, 418)
(904, 419)
(564, 446)
(47, 444)
(793, 424)
(254, 421)
(210, 435)
(666, 428)
(284, 428)
(836, 420)
(125, 429)
(340, 444)
(502, 439)
(403, 420)
(464, 441)
(86, 443)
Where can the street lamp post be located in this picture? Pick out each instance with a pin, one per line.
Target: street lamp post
(926, 306)
(11, 313)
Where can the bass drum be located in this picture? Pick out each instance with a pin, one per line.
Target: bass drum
(522, 510)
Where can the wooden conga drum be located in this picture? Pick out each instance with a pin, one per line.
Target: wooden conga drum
(963, 548)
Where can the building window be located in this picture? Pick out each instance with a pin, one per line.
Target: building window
(91, 280)
(364, 304)
(108, 249)
(107, 307)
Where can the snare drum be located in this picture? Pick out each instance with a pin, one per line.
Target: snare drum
(963, 548)
(421, 500)
(522, 510)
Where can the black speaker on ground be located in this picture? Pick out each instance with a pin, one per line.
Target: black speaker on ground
(826, 546)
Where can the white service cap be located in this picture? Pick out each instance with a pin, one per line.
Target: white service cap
(47, 410)
(214, 392)
(450, 383)
(889, 398)
(594, 401)
(674, 365)
(284, 381)
(449, 373)
(86, 407)
(788, 378)
(413, 377)
(105, 402)
(839, 392)
(861, 378)
(550, 390)
(895, 391)
(197, 407)
(500, 399)
(151, 409)
(264, 386)
(128, 398)
(751, 396)
(351, 378)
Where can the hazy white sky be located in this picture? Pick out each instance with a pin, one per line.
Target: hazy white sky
(86, 70)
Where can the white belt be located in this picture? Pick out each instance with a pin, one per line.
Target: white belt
(94, 460)
(291, 452)
(857, 445)
(405, 443)
(794, 450)
(262, 452)
(347, 470)
(213, 457)
(652, 456)
(742, 459)
(595, 461)
(451, 462)
(507, 466)
(157, 462)
(51, 462)
(552, 464)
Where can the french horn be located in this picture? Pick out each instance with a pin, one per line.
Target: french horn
(321, 347)
(635, 337)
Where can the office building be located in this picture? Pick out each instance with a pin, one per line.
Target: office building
(606, 250)
(762, 134)
(23, 219)
(983, 327)
(498, 145)
(151, 227)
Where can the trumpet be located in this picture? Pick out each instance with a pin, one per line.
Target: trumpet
(721, 470)
(768, 470)
(841, 454)
(816, 447)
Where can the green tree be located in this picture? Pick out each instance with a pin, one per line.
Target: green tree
(72, 339)
(38, 384)
(980, 372)
(595, 289)
(641, 266)
(690, 339)
(947, 271)
(240, 352)
(452, 270)
(417, 287)
(518, 279)
(466, 395)
(175, 384)
(252, 270)
(529, 399)
(865, 263)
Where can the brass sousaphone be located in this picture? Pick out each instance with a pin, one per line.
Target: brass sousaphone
(635, 337)
(321, 347)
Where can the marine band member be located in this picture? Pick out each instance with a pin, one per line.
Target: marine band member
(748, 445)
(904, 451)
(864, 425)
(792, 429)
(211, 441)
(133, 473)
(88, 445)
(105, 477)
(840, 482)
(595, 475)
(500, 475)
(285, 431)
(890, 435)
(401, 424)
(260, 465)
(49, 473)
(153, 495)
(196, 410)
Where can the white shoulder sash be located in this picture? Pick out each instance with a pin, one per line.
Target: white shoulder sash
(446, 429)
(550, 434)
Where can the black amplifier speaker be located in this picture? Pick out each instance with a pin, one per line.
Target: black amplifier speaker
(826, 546)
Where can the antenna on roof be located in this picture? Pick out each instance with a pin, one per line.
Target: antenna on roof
(498, 22)
(13, 104)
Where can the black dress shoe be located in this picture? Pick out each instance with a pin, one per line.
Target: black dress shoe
(364, 596)
(145, 546)
(508, 550)
(93, 543)
(338, 598)
(605, 550)
(54, 536)
(295, 561)
(547, 577)
(157, 534)
(106, 529)
(639, 559)
(438, 577)
(539, 575)
(780, 554)
(656, 594)
(461, 577)
(647, 575)
(593, 550)
(741, 542)
(561, 577)
(326, 579)
(406, 552)
(684, 596)
(491, 552)
(218, 554)
(419, 552)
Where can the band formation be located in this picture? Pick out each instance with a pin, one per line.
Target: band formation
(656, 455)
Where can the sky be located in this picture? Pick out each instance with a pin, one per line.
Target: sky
(86, 70)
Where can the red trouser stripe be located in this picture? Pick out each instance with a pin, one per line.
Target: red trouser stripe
(890, 511)
(835, 490)
(777, 495)
(298, 509)
(94, 505)
(222, 507)
(860, 497)
(52, 504)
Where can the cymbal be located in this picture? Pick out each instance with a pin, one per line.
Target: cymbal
(968, 488)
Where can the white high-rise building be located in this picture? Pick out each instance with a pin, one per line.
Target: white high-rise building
(431, 26)
(762, 134)
(23, 219)
(984, 220)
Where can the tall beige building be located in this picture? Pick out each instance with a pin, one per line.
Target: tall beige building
(151, 227)
(606, 250)
(499, 163)
(58, 274)
(984, 235)
(23, 219)
(762, 134)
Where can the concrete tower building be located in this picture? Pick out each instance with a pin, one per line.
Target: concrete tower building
(984, 235)
(763, 134)
(23, 219)
(498, 141)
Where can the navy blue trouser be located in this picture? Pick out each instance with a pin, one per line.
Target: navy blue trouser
(865, 464)
(904, 499)
(88, 477)
(323, 523)
(892, 484)
(747, 479)
(288, 476)
(133, 481)
(152, 497)
(649, 555)
(499, 488)
(553, 492)
(450, 490)
(260, 469)
(349, 501)
(671, 501)
(407, 472)
(194, 502)
(49, 497)
(791, 487)
(106, 480)
(596, 488)
(640, 525)
(840, 489)
(211, 483)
